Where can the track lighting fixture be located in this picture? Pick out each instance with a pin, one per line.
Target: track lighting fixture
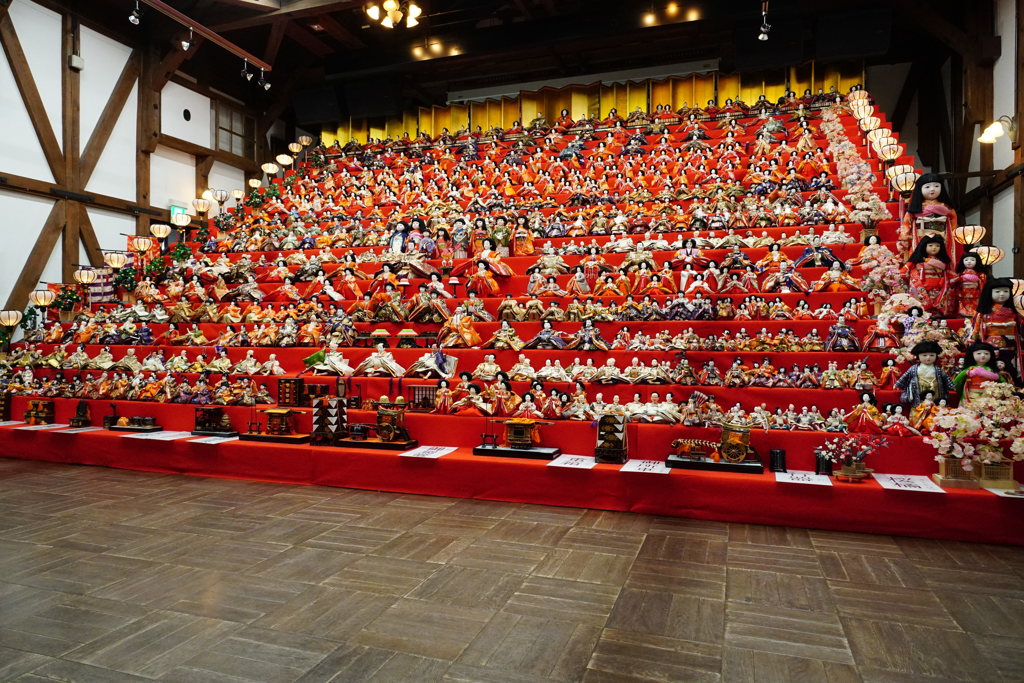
(186, 43)
(246, 74)
(263, 82)
(765, 26)
(136, 16)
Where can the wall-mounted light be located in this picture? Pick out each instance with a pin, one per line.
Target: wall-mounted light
(263, 82)
(186, 43)
(1003, 125)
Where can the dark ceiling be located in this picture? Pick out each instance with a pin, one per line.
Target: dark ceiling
(331, 44)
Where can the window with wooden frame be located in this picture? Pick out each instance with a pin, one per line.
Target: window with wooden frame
(235, 131)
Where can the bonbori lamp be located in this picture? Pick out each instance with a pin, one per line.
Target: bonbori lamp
(85, 277)
(42, 298)
(9, 319)
(989, 255)
(877, 134)
(969, 235)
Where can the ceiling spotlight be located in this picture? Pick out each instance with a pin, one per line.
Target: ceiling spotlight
(263, 82)
(436, 47)
(649, 19)
(187, 42)
(454, 52)
(373, 11)
(246, 74)
(410, 21)
(136, 16)
(417, 51)
(387, 23)
(414, 10)
(765, 26)
(672, 9)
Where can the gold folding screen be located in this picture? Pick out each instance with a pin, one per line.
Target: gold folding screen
(598, 99)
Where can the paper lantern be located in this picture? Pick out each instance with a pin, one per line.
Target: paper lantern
(858, 95)
(890, 152)
(1018, 286)
(237, 195)
(305, 140)
(140, 244)
(989, 255)
(270, 168)
(201, 205)
(904, 182)
(878, 134)
(862, 111)
(870, 123)
(894, 171)
(42, 297)
(10, 318)
(969, 234)
(1018, 301)
(115, 259)
(284, 159)
(160, 230)
(882, 141)
(220, 196)
(294, 147)
(254, 183)
(84, 276)
(181, 219)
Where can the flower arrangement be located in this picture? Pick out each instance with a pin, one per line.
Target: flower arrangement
(883, 281)
(986, 430)
(850, 449)
(67, 298)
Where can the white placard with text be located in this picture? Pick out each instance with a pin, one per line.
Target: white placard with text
(211, 440)
(1008, 493)
(803, 477)
(907, 482)
(169, 436)
(646, 466)
(429, 452)
(80, 430)
(11, 423)
(37, 428)
(580, 462)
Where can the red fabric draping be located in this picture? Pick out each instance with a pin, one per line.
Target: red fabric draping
(863, 507)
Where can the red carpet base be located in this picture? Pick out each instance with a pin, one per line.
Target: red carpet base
(859, 507)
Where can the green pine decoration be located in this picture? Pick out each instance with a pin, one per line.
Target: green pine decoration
(68, 297)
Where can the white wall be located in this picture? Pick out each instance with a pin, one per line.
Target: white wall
(172, 178)
(23, 154)
(104, 61)
(26, 215)
(115, 172)
(1004, 233)
(110, 228)
(39, 31)
(224, 177)
(174, 101)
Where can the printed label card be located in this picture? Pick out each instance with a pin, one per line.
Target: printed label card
(803, 477)
(908, 482)
(579, 462)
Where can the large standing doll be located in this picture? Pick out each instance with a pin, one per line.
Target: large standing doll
(930, 212)
(996, 322)
(928, 272)
(979, 367)
(970, 279)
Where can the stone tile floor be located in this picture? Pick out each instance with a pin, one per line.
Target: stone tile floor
(111, 575)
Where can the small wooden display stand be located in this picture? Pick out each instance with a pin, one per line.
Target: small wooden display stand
(279, 428)
(212, 421)
(521, 435)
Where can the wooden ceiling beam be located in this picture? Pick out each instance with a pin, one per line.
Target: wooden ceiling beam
(200, 151)
(33, 101)
(341, 34)
(257, 5)
(299, 8)
(172, 62)
(274, 41)
(306, 39)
